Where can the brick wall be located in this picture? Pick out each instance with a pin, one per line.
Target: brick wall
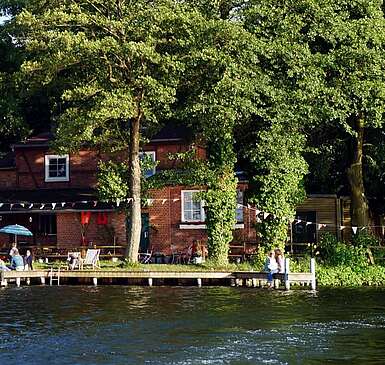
(166, 220)
(69, 230)
(7, 179)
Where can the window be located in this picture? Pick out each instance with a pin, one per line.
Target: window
(150, 157)
(192, 209)
(47, 224)
(56, 168)
(303, 231)
(239, 209)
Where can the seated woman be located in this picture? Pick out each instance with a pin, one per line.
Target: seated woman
(280, 260)
(271, 267)
(17, 262)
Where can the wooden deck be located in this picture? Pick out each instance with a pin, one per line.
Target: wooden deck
(127, 277)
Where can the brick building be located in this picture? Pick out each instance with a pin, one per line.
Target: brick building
(55, 197)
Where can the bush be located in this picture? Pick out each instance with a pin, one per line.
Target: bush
(350, 276)
(335, 253)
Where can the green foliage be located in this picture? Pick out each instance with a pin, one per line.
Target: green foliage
(350, 276)
(259, 259)
(113, 179)
(335, 253)
(364, 239)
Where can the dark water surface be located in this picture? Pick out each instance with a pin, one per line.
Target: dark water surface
(187, 325)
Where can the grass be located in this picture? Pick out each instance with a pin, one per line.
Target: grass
(121, 265)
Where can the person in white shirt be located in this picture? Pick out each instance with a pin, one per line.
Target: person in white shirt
(271, 267)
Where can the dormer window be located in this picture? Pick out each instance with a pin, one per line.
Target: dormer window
(56, 168)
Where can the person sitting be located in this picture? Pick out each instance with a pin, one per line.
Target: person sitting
(3, 267)
(271, 267)
(28, 261)
(12, 251)
(280, 260)
(73, 260)
(17, 262)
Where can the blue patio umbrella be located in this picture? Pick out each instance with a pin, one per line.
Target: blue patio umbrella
(17, 230)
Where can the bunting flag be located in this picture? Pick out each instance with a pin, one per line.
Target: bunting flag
(117, 202)
(175, 200)
(30, 206)
(53, 205)
(95, 203)
(265, 215)
(10, 206)
(129, 200)
(319, 226)
(354, 229)
(297, 221)
(42, 206)
(73, 205)
(150, 201)
(63, 204)
(1, 204)
(164, 201)
(308, 223)
(22, 204)
(257, 211)
(342, 228)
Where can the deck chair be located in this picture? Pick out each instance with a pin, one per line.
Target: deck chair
(92, 258)
(145, 257)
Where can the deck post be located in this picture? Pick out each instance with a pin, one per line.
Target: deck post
(149, 281)
(18, 280)
(312, 271)
(95, 281)
(199, 282)
(3, 281)
(287, 271)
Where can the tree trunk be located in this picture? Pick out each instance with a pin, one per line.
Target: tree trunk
(359, 204)
(134, 211)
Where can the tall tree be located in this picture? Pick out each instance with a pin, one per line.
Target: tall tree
(117, 67)
(331, 53)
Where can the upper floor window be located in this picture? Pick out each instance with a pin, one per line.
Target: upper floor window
(192, 208)
(57, 167)
(150, 157)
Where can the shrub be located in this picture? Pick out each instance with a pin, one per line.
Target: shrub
(335, 253)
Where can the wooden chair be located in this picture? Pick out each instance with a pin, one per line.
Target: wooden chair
(91, 259)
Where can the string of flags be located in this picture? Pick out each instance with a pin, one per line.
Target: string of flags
(150, 201)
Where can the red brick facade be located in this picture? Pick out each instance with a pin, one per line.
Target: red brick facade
(166, 226)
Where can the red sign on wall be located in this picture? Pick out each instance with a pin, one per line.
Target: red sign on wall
(102, 219)
(85, 217)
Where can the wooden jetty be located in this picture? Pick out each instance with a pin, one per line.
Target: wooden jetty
(150, 278)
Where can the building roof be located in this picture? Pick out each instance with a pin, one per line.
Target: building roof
(51, 199)
(169, 133)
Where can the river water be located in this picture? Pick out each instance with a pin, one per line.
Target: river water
(189, 325)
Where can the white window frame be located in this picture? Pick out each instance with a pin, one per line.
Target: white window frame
(47, 159)
(203, 216)
(153, 170)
